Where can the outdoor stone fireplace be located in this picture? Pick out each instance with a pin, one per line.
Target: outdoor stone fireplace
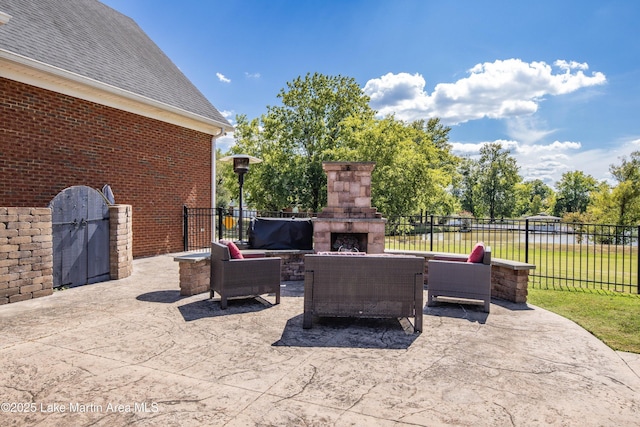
(349, 223)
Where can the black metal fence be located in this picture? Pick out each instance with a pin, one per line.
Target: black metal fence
(589, 256)
(566, 256)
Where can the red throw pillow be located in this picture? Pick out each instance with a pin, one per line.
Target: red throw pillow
(477, 254)
(233, 249)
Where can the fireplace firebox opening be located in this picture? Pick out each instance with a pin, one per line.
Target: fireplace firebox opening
(349, 242)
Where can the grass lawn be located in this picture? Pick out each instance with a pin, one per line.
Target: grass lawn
(613, 318)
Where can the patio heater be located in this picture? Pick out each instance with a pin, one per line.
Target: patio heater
(240, 166)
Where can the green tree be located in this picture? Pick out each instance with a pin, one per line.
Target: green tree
(297, 136)
(574, 192)
(533, 197)
(627, 193)
(620, 204)
(497, 178)
(414, 165)
(328, 119)
(271, 184)
(225, 191)
(466, 189)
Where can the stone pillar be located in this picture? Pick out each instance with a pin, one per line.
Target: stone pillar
(26, 254)
(195, 276)
(509, 284)
(120, 241)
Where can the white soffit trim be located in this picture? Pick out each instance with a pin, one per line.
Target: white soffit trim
(35, 73)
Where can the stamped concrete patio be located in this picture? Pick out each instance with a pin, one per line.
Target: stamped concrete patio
(133, 352)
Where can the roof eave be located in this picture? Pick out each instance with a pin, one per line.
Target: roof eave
(26, 70)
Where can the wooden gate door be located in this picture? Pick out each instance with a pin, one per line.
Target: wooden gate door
(80, 218)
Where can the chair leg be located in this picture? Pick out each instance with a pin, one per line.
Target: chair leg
(223, 302)
(278, 295)
(307, 320)
(418, 322)
(430, 301)
(487, 305)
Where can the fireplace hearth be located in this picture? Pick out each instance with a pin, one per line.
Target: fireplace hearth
(349, 217)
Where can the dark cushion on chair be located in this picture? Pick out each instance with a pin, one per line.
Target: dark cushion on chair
(477, 254)
(233, 249)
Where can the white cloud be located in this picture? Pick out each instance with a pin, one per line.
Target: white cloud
(225, 142)
(536, 161)
(527, 129)
(402, 94)
(222, 78)
(555, 146)
(510, 90)
(548, 169)
(395, 88)
(252, 75)
(549, 161)
(498, 90)
(228, 114)
(466, 149)
(569, 156)
(569, 65)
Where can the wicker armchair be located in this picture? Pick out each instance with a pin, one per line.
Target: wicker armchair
(242, 277)
(465, 282)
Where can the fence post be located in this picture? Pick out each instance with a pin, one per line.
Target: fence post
(218, 212)
(638, 256)
(215, 222)
(185, 227)
(526, 241)
(431, 234)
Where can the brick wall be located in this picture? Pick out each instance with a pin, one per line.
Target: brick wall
(49, 142)
(26, 254)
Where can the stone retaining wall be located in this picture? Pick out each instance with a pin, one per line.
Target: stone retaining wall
(509, 284)
(195, 275)
(26, 254)
(509, 279)
(292, 266)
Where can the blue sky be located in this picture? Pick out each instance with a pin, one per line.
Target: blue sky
(557, 82)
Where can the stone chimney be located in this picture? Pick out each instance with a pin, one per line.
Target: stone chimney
(349, 222)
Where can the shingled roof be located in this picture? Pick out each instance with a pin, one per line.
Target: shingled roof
(91, 49)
